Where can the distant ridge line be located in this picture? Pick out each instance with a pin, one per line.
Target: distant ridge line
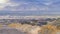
(26, 17)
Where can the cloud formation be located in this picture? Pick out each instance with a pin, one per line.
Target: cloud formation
(30, 5)
(2, 3)
(22, 5)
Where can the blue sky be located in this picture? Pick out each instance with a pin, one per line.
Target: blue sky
(31, 7)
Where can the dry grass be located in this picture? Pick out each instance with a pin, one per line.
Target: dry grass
(29, 29)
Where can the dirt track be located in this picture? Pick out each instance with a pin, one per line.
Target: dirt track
(6, 30)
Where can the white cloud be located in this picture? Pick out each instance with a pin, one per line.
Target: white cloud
(30, 9)
(3, 4)
(3, 1)
(22, 6)
(7, 4)
(48, 3)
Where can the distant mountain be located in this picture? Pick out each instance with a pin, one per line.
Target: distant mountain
(28, 13)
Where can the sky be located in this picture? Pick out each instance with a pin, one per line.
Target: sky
(30, 7)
